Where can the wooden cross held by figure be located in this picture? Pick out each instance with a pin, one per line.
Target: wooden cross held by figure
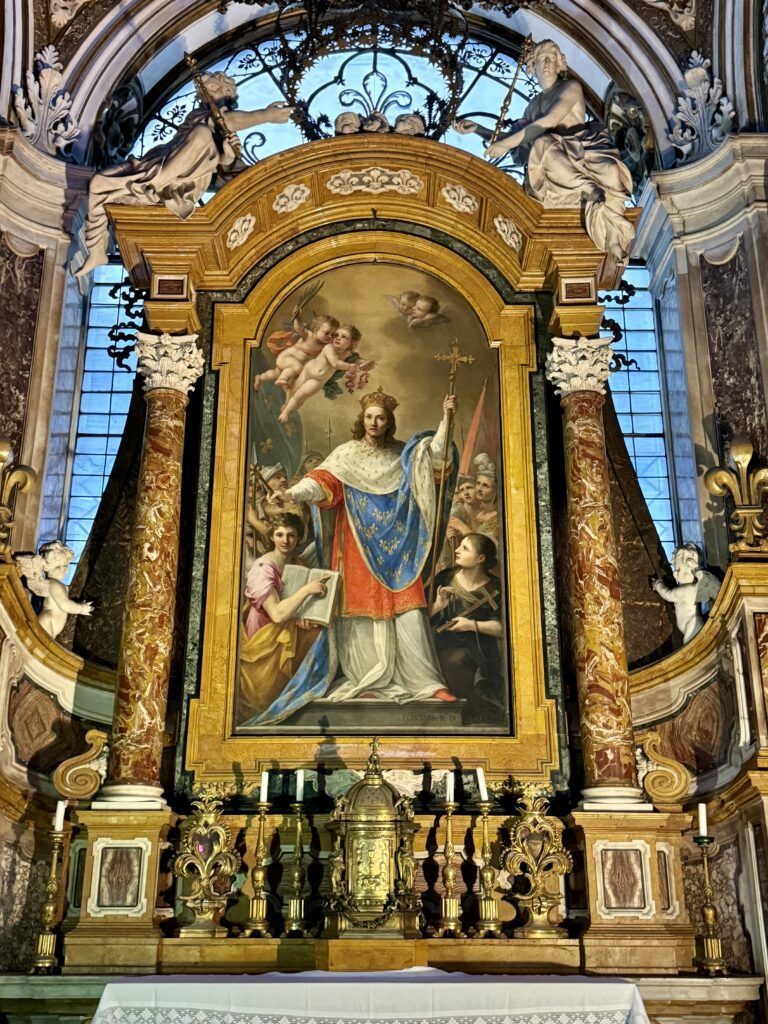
(453, 358)
(216, 113)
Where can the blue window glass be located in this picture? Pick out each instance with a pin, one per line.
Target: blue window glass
(636, 391)
(104, 399)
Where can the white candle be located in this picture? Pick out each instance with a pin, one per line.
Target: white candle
(481, 784)
(58, 820)
(450, 787)
(703, 820)
(299, 785)
(264, 791)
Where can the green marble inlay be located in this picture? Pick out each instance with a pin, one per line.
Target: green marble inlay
(542, 303)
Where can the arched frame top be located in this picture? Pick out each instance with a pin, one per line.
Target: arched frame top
(355, 178)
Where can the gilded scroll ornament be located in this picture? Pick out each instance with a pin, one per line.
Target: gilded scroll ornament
(206, 857)
(78, 778)
(579, 364)
(666, 782)
(14, 479)
(536, 855)
(747, 488)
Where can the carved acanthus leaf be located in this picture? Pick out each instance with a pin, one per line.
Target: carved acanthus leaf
(704, 115)
(44, 113)
(682, 12)
(579, 364)
(169, 361)
(63, 11)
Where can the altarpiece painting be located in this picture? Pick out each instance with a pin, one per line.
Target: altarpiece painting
(373, 596)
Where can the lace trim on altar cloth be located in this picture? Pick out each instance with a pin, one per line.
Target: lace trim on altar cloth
(167, 1015)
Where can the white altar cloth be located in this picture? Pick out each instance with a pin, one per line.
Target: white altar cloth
(416, 996)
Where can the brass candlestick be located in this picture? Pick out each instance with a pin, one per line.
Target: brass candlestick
(712, 961)
(45, 961)
(450, 906)
(489, 923)
(257, 925)
(294, 920)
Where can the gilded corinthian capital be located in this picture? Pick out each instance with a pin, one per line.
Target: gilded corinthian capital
(169, 361)
(579, 364)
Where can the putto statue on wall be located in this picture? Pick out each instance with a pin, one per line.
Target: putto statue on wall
(695, 586)
(43, 574)
(177, 173)
(569, 162)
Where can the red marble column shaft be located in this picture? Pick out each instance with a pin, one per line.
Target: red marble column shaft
(601, 662)
(145, 652)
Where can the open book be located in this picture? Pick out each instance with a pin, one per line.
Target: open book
(316, 609)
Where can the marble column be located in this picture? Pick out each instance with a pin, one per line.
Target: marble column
(170, 366)
(579, 370)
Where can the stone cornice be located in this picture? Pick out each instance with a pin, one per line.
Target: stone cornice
(695, 201)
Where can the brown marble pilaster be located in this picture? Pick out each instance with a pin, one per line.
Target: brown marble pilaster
(170, 366)
(579, 370)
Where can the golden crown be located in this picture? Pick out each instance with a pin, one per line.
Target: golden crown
(381, 398)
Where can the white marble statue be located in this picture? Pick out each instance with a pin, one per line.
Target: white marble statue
(43, 574)
(179, 171)
(569, 162)
(695, 586)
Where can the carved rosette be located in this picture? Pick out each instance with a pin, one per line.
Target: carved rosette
(579, 370)
(169, 361)
(171, 365)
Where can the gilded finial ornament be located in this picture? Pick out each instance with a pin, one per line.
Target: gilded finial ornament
(15, 479)
(206, 857)
(535, 854)
(747, 488)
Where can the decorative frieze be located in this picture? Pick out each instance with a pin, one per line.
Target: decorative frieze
(704, 115)
(63, 11)
(375, 180)
(44, 113)
(579, 364)
(169, 361)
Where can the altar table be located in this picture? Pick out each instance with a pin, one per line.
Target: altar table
(415, 996)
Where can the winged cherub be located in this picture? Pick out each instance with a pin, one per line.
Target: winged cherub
(695, 586)
(43, 573)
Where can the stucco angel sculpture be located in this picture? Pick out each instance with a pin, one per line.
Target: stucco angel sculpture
(43, 573)
(569, 162)
(179, 171)
(695, 586)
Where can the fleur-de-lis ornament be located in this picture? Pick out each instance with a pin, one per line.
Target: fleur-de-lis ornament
(14, 480)
(747, 488)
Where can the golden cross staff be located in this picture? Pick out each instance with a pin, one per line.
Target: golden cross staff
(527, 44)
(216, 113)
(453, 358)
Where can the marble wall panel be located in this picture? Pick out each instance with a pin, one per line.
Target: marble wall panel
(24, 872)
(725, 869)
(20, 283)
(761, 634)
(623, 883)
(42, 732)
(700, 736)
(735, 364)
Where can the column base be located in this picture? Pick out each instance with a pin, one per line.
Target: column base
(614, 798)
(129, 797)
